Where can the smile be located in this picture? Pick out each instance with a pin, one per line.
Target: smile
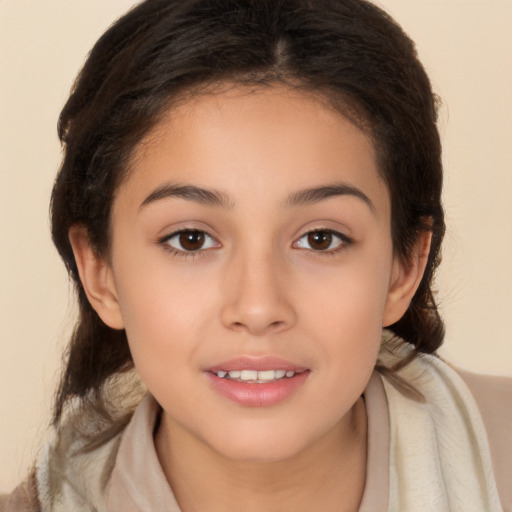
(257, 381)
(255, 376)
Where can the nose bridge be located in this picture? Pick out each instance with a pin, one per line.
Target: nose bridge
(255, 298)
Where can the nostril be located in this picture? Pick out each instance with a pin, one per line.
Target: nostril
(252, 327)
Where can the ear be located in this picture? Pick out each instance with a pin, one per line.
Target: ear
(405, 279)
(96, 277)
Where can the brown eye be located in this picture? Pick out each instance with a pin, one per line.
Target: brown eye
(190, 240)
(322, 240)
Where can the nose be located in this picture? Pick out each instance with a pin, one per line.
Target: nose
(256, 296)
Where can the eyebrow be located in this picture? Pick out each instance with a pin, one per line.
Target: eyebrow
(317, 194)
(211, 197)
(207, 197)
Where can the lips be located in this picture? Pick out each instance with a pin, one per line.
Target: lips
(257, 382)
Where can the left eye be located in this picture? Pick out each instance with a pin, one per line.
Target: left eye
(191, 240)
(321, 240)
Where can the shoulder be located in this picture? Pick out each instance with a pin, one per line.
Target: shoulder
(470, 414)
(493, 396)
(65, 478)
(23, 499)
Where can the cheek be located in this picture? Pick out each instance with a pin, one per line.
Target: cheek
(344, 311)
(163, 311)
(350, 325)
(350, 297)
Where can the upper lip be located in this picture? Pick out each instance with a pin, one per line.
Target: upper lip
(260, 363)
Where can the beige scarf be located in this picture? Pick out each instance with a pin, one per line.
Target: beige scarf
(439, 454)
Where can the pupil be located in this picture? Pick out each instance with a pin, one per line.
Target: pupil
(192, 240)
(320, 240)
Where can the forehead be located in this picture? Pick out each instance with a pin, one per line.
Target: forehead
(256, 141)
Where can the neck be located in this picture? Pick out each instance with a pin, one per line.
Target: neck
(328, 475)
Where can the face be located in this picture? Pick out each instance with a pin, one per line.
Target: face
(252, 236)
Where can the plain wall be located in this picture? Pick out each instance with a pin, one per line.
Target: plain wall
(466, 48)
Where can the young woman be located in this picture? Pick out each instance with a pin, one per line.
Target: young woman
(249, 206)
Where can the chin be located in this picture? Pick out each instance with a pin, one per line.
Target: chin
(262, 444)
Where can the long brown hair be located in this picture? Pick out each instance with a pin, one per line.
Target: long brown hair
(349, 51)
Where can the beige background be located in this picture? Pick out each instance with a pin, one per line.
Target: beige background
(466, 47)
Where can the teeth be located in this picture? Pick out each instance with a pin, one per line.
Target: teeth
(255, 375)
(267, 375)
(249, 375)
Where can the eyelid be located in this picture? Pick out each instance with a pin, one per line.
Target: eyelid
(344, 240)
(164, 241)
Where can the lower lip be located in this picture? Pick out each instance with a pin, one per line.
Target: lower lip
(255, 394)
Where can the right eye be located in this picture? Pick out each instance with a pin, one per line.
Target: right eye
(189, 241)
(323, 241)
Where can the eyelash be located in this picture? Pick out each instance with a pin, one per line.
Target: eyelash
(344, 241)
(164, 241)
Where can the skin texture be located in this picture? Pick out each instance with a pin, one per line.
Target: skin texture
(258, 288)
